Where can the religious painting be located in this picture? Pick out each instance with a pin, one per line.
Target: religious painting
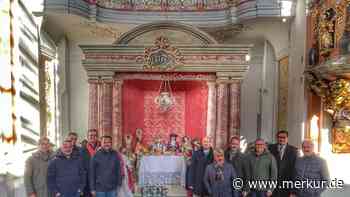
(283, 94)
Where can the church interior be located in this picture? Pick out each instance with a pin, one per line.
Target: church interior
(150, 69)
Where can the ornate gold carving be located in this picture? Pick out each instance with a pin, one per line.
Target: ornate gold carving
(328, 25)
(326, 31)
(341, 140)
(162, 56)
(335, 94)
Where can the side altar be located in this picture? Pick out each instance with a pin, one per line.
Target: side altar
(165, 78)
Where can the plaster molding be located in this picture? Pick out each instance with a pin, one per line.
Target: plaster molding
(221, 16)
(142, 29)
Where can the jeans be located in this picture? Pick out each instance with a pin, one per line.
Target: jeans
(112, 193)
(70, 195)
(258, 194)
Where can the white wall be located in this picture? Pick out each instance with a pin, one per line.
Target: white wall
(250, 94)
(78, 82)
(269, 93)
(296, 101)
(78, 88)
(63, 87)
(270, 39)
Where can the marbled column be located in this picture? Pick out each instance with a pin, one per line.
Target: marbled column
(99, 106)
(222, 115)
(211, 110)
(235, 98)
(93, 104)
(106, 107)
(117, 114)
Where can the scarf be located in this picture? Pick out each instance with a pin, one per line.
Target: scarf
(219, 172)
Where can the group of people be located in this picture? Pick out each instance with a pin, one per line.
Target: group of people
(92, 170)
(214, 172)
(96, 170)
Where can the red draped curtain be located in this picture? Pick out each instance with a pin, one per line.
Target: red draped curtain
(187, 117)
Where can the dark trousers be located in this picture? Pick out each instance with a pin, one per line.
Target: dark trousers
(280, 193)
(258, 194)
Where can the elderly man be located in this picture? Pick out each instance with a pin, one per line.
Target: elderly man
(261, 167)
(312, 168)
(218, 177)
(285, 156)
(200, 160)
(66, 173)
(35, 174)
(235, 157)
(105, 170)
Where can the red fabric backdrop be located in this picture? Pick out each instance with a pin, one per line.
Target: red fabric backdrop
(187, 117)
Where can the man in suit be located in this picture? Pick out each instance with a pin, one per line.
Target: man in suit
(200, 160)
(285, 156)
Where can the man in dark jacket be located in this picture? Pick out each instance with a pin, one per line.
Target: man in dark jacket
(105, 176)
(312, 168)
(87, 152)
(261, 167)
(200, 160)
(66, 173)
(234, 156)
(218, 177)
(285, 156)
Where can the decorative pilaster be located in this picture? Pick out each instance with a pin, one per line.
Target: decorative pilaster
(117, 114)
(100, 106)
(93, 104)
(222, 115)
(235, 95)
(211, 111)
(106, 108)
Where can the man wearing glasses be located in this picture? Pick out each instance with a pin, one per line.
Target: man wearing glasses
(285, 156)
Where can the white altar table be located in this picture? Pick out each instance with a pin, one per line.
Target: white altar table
(162, 170)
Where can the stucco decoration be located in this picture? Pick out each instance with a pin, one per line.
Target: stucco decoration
(162, 5)
(177, 33)
(162, 56)
(100, 29)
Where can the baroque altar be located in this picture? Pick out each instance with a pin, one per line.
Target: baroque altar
(204, 76)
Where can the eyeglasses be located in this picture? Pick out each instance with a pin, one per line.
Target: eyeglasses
(283, 137)
(259, 144)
